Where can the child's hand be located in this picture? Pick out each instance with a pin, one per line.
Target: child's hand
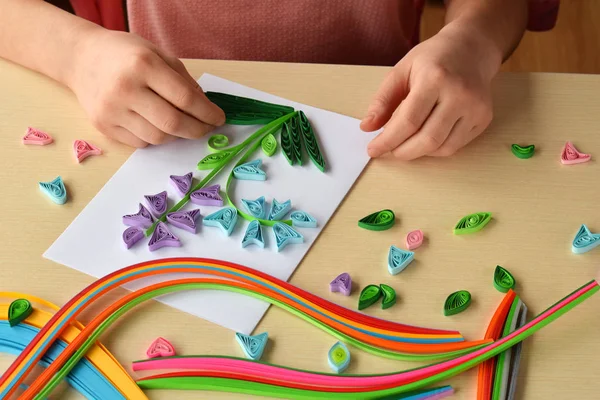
(136, 94)
(436, 99)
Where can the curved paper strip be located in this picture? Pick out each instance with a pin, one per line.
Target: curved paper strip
(36, 137)
(157, 203)
(389, 296)
(414, 239)
(218, 160)
(378, 221)
(161, 347)
(296, 136)
(132, 235)
(503, 280)
(256, 208)
(472, 223)
(253, 235)
(523, 152)
(55, 190)
(369, 296)
(84, 149)
(457, 302)
(310, 142)
(142, 219)
(208, 196)
(338, 357)
(162, 237)
(399, 259)
(18, 311)
(585, 240)
(286, 144)
(269, 145)
(250, 171)
(246, 111)
(516, 357)
(342, 283)
(285, 234)
(500, 379)
(182, 183)
(225, 219)
(279, 210)
(217, 142)
(303, 219)
(570, 155)
(184, 219)
(253, 346)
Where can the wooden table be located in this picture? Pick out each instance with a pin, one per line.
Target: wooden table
(538, 206)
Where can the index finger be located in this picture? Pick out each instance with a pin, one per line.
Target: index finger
(183, 94)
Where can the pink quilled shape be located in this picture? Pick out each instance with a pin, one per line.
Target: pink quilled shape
(84, 149)
(37, 137)
(570, 155)
(161, 347)
(414, 239)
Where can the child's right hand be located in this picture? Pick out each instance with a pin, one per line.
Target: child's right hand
(136, 94)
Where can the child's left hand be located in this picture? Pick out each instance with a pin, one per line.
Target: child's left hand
(437, 98)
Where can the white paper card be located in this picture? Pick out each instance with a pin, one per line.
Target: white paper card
(93, 244)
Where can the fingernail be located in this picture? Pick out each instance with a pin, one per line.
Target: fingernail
(370, 117)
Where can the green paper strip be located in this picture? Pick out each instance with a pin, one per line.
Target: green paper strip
(503, 362)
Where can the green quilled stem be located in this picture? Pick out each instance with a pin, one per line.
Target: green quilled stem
(240, 387)
(234, 151)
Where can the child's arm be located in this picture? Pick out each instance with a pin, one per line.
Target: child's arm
(130, 89)
(438, 97)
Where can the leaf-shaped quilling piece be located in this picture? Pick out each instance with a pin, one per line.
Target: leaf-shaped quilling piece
(303, 219)
(269, 145)
(18, 311)
(132, 235)
(225, 219)
(84, 149)
(585, 240)
(310, 142)
(279, 210)
(472, 223)
(414, 239)
(338, 357)
(399, 259)
(217, 142)
(523, 152)
(503, 280)
(253, 235)
(55, 190)
(142, 219)
(389, 296)
(252, 346)
(256, 208)
(162, 237)
(208, 196)
(182, 183)
(215, 160)
(36, 137)
(369, 296)
(157, 203)
(286, 143)
(570, 155)
(296, 135)
(185, 220)
(342, 283)
(250, 171)
(378, 221)
(285, 234)
(246, 111)
(457, 302)
(161, 347)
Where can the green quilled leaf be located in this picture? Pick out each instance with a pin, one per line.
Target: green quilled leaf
(378, 221)
(523, 152)
(472, 223)
(18, 311)
(369, 296)
(457, 302)
(389, 296)
(503, 280)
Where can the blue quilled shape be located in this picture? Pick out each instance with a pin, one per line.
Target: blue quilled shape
(253, 235)
(338, 357)
(224, 219)
(398, 259)
(285, 234)
(256, 208)
(585, 240)
(253, 346)
(250, 171)
(303, 219)
(279, 210)
(55, 190)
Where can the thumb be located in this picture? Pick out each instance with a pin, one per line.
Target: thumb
(388, 97)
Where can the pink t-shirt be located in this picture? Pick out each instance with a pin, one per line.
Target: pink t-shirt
(375, 32)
